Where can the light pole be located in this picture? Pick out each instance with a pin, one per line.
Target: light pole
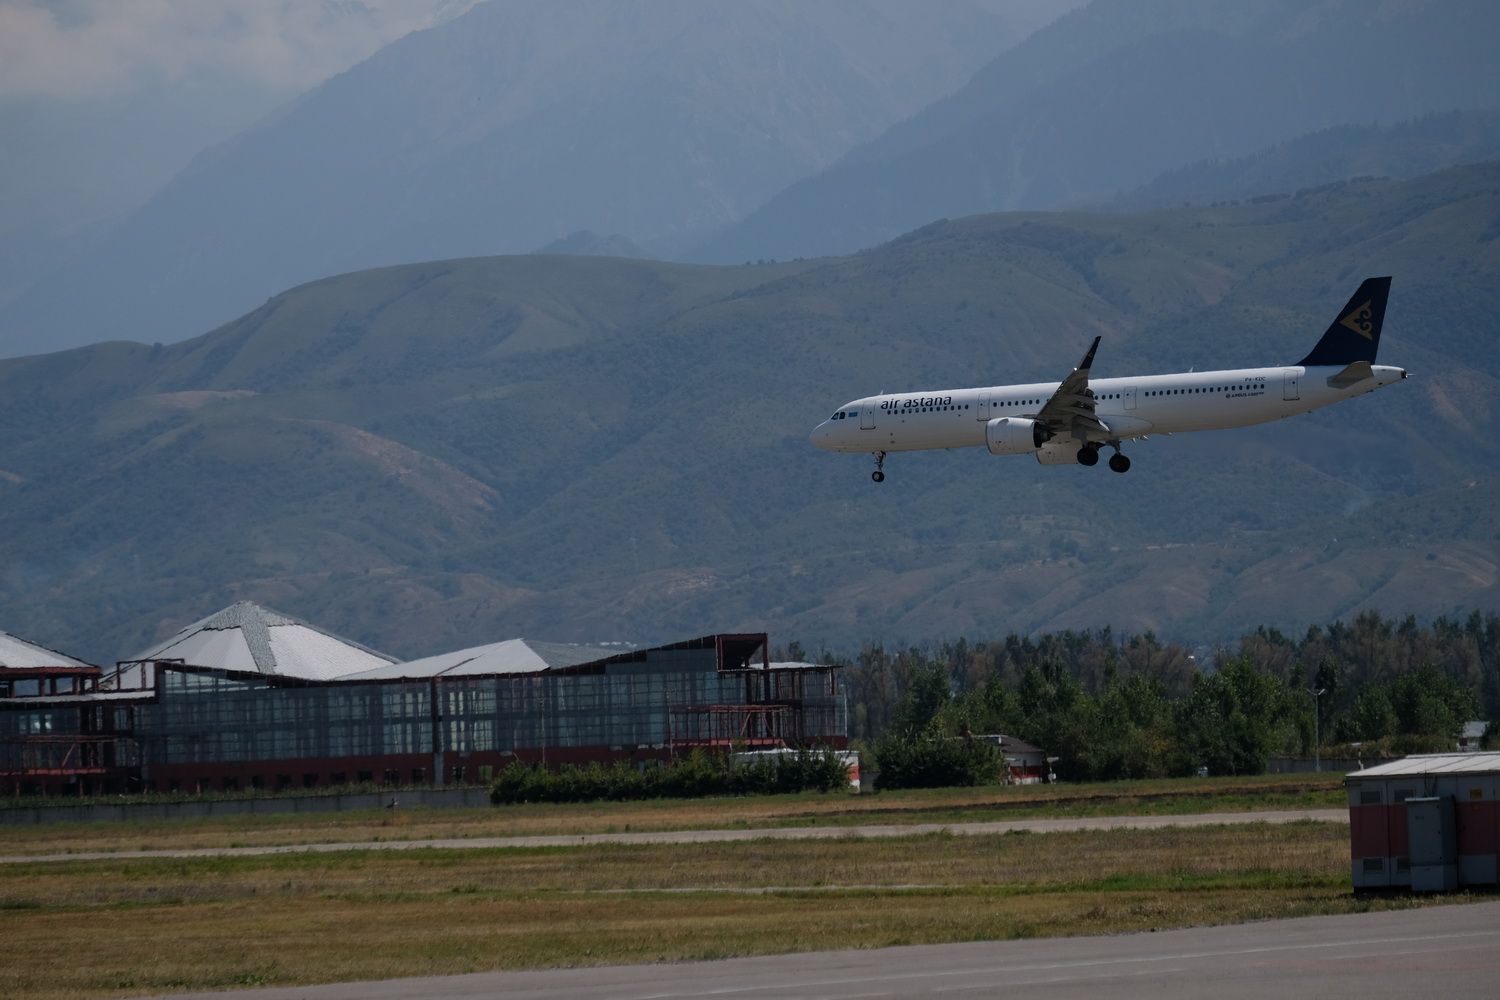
(1317, 732)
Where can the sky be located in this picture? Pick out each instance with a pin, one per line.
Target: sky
(89, 49)
(102, 101)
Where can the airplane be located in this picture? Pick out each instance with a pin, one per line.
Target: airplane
(1068, 422)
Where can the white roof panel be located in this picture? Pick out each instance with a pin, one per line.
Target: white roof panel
(300, 651)
(225, 649)
(248, 638)
(512, 656)
(87, 697)
(19, 654)
(1434, 763)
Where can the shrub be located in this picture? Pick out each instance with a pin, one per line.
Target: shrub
(694, 776)
(928, 759)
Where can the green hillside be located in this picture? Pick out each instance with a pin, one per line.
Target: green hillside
(583, 448)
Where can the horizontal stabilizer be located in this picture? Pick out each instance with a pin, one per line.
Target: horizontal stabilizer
(1355, 372)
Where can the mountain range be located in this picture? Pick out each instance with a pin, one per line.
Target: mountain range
(762, 130)
(1403, 150)
(1111, 95)
(582, 448)
(507, 127)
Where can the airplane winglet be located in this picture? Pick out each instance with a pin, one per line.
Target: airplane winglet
(1070, 408)
(1088, 359)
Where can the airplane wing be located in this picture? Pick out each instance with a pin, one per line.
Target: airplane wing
(1070, 410)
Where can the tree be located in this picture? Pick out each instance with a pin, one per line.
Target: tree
(1372, 718)
(1429, 703)
(927, 694)
(1235, 718)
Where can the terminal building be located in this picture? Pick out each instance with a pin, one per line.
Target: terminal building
(250, 698)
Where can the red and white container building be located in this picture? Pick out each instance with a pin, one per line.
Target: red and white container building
(1428, 822)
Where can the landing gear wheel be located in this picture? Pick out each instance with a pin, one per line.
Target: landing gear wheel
(1119, 462)
(879, 474)
(1088, 456)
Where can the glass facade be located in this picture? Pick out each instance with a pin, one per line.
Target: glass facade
(204, 727)
(656, 699)
(217, 718)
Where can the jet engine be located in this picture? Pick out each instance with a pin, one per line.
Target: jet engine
(1015, 435)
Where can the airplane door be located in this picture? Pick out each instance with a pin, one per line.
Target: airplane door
(984, 406)
(1130, 397)
(867, 416)
(1289, 383)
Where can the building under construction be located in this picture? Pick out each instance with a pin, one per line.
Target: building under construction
(249, 698)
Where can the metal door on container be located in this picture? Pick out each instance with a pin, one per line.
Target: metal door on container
(1289, 383)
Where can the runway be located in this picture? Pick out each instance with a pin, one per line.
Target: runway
(1452, 949)
(724, 836)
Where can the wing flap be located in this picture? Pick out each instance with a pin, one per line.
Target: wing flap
(1070, 410)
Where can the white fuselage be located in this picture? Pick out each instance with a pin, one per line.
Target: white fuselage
(1129, 407)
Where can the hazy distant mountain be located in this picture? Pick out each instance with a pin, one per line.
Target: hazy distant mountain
(588, 243)
(101, 104)
(1108, 97)
(510, 126)
(1409, 149)
(436, 455)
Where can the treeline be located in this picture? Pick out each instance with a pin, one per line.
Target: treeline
(1117, 706)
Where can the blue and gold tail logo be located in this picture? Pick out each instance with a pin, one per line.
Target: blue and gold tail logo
(1361, 320)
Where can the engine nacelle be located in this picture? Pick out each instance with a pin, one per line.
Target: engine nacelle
(1014, 435)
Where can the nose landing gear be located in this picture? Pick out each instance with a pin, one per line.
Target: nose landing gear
(879, 474)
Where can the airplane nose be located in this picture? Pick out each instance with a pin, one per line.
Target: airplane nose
(819, 435)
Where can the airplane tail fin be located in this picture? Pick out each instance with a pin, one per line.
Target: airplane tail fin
(1355, 335)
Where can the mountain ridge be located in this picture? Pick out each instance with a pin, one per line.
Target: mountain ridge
(505, 128)
(1109, 96)
(586, 448)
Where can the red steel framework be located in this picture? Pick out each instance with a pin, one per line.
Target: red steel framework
(724, 726)
(65, 756)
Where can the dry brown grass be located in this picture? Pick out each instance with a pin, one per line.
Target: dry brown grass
(939, 805)
(301, 918)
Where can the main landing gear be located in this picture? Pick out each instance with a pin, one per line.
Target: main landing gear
(879, 474)
(1089, 455)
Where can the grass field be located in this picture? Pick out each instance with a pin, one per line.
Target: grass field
(753, 812)
(219, 923)
(156, 926)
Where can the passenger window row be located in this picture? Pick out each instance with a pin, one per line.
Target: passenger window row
(1202, 389)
